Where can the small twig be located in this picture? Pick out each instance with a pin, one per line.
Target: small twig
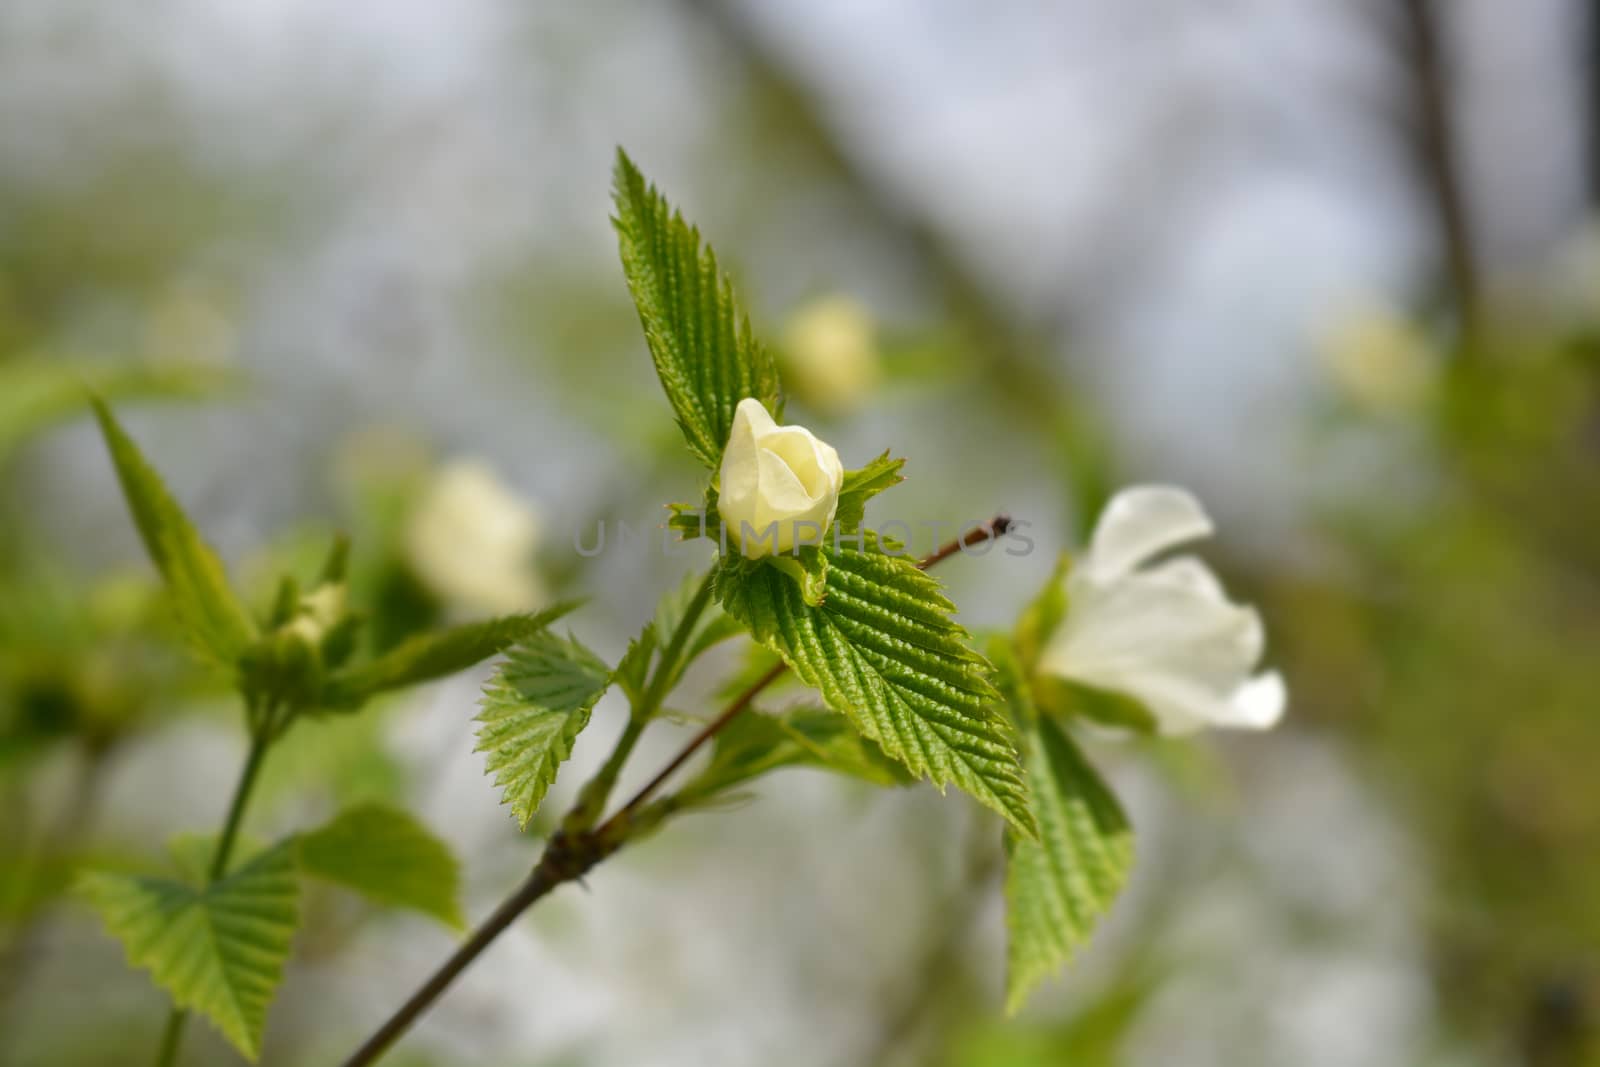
(537, 885)
(710, 730)
(992, 530)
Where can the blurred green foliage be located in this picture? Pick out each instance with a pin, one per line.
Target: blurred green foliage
(1460, 650)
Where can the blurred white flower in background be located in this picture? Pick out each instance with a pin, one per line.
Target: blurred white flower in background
(1162, 633)
(190, 324)
(472, 541)
(1379, 360)
(830, 354)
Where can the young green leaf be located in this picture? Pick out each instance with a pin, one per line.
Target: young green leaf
(705, 354)
(807, 566)
(1060, 885)
(1043, 615)
(711, 627)
(191, 853)
(434, 655)
(690, 521)
(533, 709)
(883, 650)
(388, 856)
(676, 603)
(218, 950)
(212, 616)
(755, 743)
(633, 669)
(864, 484)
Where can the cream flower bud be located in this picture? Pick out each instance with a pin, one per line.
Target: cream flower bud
(780, 485)
(320, 610)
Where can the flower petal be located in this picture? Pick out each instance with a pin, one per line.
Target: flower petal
(782, 493)
(741, 476)
(1188, 573)
(1166, 623)
(1140, 523)
(1259, 703)
(797, 447)
(755, 416)
(1178, 705)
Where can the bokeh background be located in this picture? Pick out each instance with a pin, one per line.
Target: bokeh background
(1332, 264)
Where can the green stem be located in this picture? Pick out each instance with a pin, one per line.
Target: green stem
(172, 1038)
(261, 737)
(668, 669)
(241, 796)
(596, 791)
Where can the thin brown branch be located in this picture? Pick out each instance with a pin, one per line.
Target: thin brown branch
(710, 730)
(537, 885)
(1439, 153)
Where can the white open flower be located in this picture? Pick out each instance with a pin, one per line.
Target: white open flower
(1165, 633)
(780, 485)
(472, 541)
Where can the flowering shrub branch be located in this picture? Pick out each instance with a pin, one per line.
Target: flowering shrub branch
(1121, 638)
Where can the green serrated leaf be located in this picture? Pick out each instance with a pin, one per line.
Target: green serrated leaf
(833, 743)
(192, 854)
(212, 616)
(633, 670)
(883, 650)
(388, 856)
(717, 627)
(435, 655)
(533, 709)
(218, 950)
(807, 566)
(691, 521)
(755, 743)
(745, 749)
(1065, 700)
(862, 485)
(1059, 886)
(705, 354)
